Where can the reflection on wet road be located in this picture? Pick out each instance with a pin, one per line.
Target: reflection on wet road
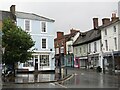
(90, 79)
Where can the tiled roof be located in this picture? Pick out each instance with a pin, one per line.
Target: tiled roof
(25, 15)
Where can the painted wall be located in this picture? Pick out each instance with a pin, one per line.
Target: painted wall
(73, 39)
(110, 37)
(82, 52)
(37, 35)
(98, 47)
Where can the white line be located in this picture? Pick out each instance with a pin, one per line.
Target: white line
(60, 85)
(52, 84)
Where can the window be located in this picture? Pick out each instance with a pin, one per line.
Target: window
(80, 50)
(27, 25)
(106, 44)
(69, 48)
(61, 49)
(43, 27)
(76, 50)
(43, 43)
(95, 47)
(44, 60)
(89, 48)
(115, 41)
(57, 51)
(84, 49)
(105, 31)
(28, 63)
(114, 28)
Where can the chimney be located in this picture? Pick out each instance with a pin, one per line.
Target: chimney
(60, 34)
(12, 9)
(105, 21)
(95, 23)
(73, 31)
(114, 18)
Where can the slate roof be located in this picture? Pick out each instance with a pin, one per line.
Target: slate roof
(88, 36)
(32, 16)
(7, 14)
(92, 35)
(110, 23)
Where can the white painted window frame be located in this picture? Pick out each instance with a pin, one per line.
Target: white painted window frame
(30, 25)
(46, 43)
(45, 27)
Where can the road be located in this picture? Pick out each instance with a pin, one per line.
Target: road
(91, 79)
(81, 79)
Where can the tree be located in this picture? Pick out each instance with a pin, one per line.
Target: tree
(17, 44)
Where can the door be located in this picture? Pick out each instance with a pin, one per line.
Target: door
(36, 62)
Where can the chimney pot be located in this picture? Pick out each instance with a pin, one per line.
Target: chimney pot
(114, 18)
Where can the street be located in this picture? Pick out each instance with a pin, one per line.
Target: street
(92, 79)
(81, 79)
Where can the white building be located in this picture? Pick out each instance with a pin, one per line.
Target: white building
(110, 37)
(87, 47)
(41, 30)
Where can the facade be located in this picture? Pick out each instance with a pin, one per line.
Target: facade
(40, 28)
(63, 48)
(87, 47)
(111, 44)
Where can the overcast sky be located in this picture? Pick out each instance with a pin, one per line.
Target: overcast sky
(67, 15)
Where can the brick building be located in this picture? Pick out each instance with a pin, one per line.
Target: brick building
(61, 46)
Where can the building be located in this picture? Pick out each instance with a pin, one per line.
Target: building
(40, 28)
(87, 47)
(110, 37)
(63, 47)
(119, 9)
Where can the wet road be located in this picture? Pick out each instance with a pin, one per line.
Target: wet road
(81, 79)
(92, 79)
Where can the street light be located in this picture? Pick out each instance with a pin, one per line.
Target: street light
(113, 61)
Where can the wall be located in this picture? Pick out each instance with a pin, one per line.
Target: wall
(37, 35)
(110, 37)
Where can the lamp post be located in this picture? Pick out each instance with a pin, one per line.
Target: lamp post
(113, 61)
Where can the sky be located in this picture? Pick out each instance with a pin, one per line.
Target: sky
(68, 14)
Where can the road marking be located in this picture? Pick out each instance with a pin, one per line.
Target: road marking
(60, 85)
(75, 74)
(52, 84)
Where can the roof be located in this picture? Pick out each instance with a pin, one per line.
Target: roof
(32, 16)
(110, 23)
(7, 14)
(88, 36)
(68, 36)
(92, 35)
